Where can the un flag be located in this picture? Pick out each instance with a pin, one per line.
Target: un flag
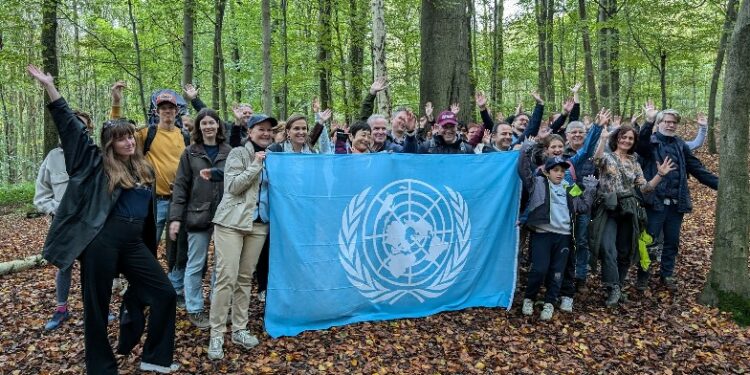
(385, 236)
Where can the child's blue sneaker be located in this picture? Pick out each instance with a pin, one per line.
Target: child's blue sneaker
(58, 318)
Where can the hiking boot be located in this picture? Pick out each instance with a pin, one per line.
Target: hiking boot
(641, 283)
(180, 301)
(581, 286)
(58, 318)
(528, 307)
(614, 296)
(199, 319)
(145, 366)
(669, 282)
(566, 304)
(244, 339)
(216, 347)
(547, 311)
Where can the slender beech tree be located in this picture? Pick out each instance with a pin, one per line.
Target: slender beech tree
(731, 17)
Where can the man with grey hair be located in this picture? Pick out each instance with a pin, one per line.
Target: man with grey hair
(667, 205)
(381, 141)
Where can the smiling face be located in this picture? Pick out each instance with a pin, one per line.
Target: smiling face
(576, 137)
(555, 148)
(668, 125)
(297, 132)
(124, 146)
(625, 141)
(449, 133)
(399, 121)
(504, 136)
(361, 141)
(261, 134)
(209, 128)
(472, 132)
(379, 131)
(167, 113)
(519, 124)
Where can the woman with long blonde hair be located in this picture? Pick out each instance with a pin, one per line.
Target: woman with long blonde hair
(106, 221)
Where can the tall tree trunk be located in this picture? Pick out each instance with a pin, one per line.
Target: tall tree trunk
(138, 67)
(345, 95)
(378, 54)
(10, 141)
(497, 54)
(588, 64)
(604, 67)
(49, 63)
(445, 72)
(550, 58)
(188, 23)
(663, 77)
(357, 31)
(77, 60)
(541, 17)
(237, 71)
(218, 57)
(613, 46)
(324, 53)
(285, 53)
(731, 17)
(265, 10)
(729, 276)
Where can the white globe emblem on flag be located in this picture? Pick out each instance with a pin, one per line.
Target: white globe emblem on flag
(409, 239)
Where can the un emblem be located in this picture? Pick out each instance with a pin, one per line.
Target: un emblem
(409, 239)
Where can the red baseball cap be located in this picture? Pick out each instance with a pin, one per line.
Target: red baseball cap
(166, 97)
(447, 117)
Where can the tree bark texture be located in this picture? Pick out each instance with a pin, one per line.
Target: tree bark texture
(138, 66)
(50, 65)
(731, 17)
(357, 31)
(663, 77)
(588, 64)
(218, 57)
(265, 10)
(378, 54)
(324, 53)
(285, 54)
(549, 63)
(540, 7)
(497, 53)
(188, 24)
(729, 272)
(445, 75)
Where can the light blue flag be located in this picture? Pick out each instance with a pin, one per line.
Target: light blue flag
(385, 236)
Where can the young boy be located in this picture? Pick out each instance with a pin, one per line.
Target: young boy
(549, 216)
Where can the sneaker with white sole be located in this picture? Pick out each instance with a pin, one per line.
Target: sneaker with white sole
(547, 312)
(566, 304)
(145, 366)
(199, 319)
(528, 307)
(216, 347)
(244, 339)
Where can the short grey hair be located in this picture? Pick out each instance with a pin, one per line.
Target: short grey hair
(573, 125)
(673, 112)
(375, 117)
(397, 111)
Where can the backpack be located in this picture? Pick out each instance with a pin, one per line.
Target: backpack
(182, 107)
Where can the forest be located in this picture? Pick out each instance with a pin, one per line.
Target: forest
(277, 55)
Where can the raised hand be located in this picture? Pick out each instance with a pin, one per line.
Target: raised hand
(117, 91)
(205, 174)
(650, 110)
(701, 119)
(634, 119)
(616, 121)
(325, 115)
(568, 106)
(538, 98)
(543, 134)
(428, 110)
(481, 100)
(237, 112)
(190, 92)
(44, 78)
(411, 121)
(455, 108)
(519, 109)
(603, 117)
(665, 167)
(575, 88)
(380, 84)
(487, 137)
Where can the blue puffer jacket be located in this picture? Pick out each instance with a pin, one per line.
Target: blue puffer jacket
(652, 150)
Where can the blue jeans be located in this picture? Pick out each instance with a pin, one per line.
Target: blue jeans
(197, 255)
(162, 208)
(667, 222)
(582, 246)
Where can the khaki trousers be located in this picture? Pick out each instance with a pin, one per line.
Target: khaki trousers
(236, 256)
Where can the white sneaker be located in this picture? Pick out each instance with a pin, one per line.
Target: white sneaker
(244, 339)
(566, 304)
(528, 307)
(145, 366)
(547, 312)
(216, 347)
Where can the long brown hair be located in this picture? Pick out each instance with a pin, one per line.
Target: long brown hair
(619, 133)
(197, 135)
(125, 174)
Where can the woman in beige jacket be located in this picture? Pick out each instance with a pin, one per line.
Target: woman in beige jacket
(240, 231)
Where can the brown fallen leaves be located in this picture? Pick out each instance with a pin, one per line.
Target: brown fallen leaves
(657, 332)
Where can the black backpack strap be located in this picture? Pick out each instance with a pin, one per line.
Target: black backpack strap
(186, 137)
(149, 139)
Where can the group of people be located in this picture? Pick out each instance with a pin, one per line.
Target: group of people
(587, 198)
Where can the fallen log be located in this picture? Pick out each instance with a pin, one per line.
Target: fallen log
(17, 265)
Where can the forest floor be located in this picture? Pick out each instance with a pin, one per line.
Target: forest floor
(656, 332)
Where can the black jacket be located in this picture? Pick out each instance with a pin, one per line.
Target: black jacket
(652, 150)
(436, 145)
(194, 200)
(87, 201)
